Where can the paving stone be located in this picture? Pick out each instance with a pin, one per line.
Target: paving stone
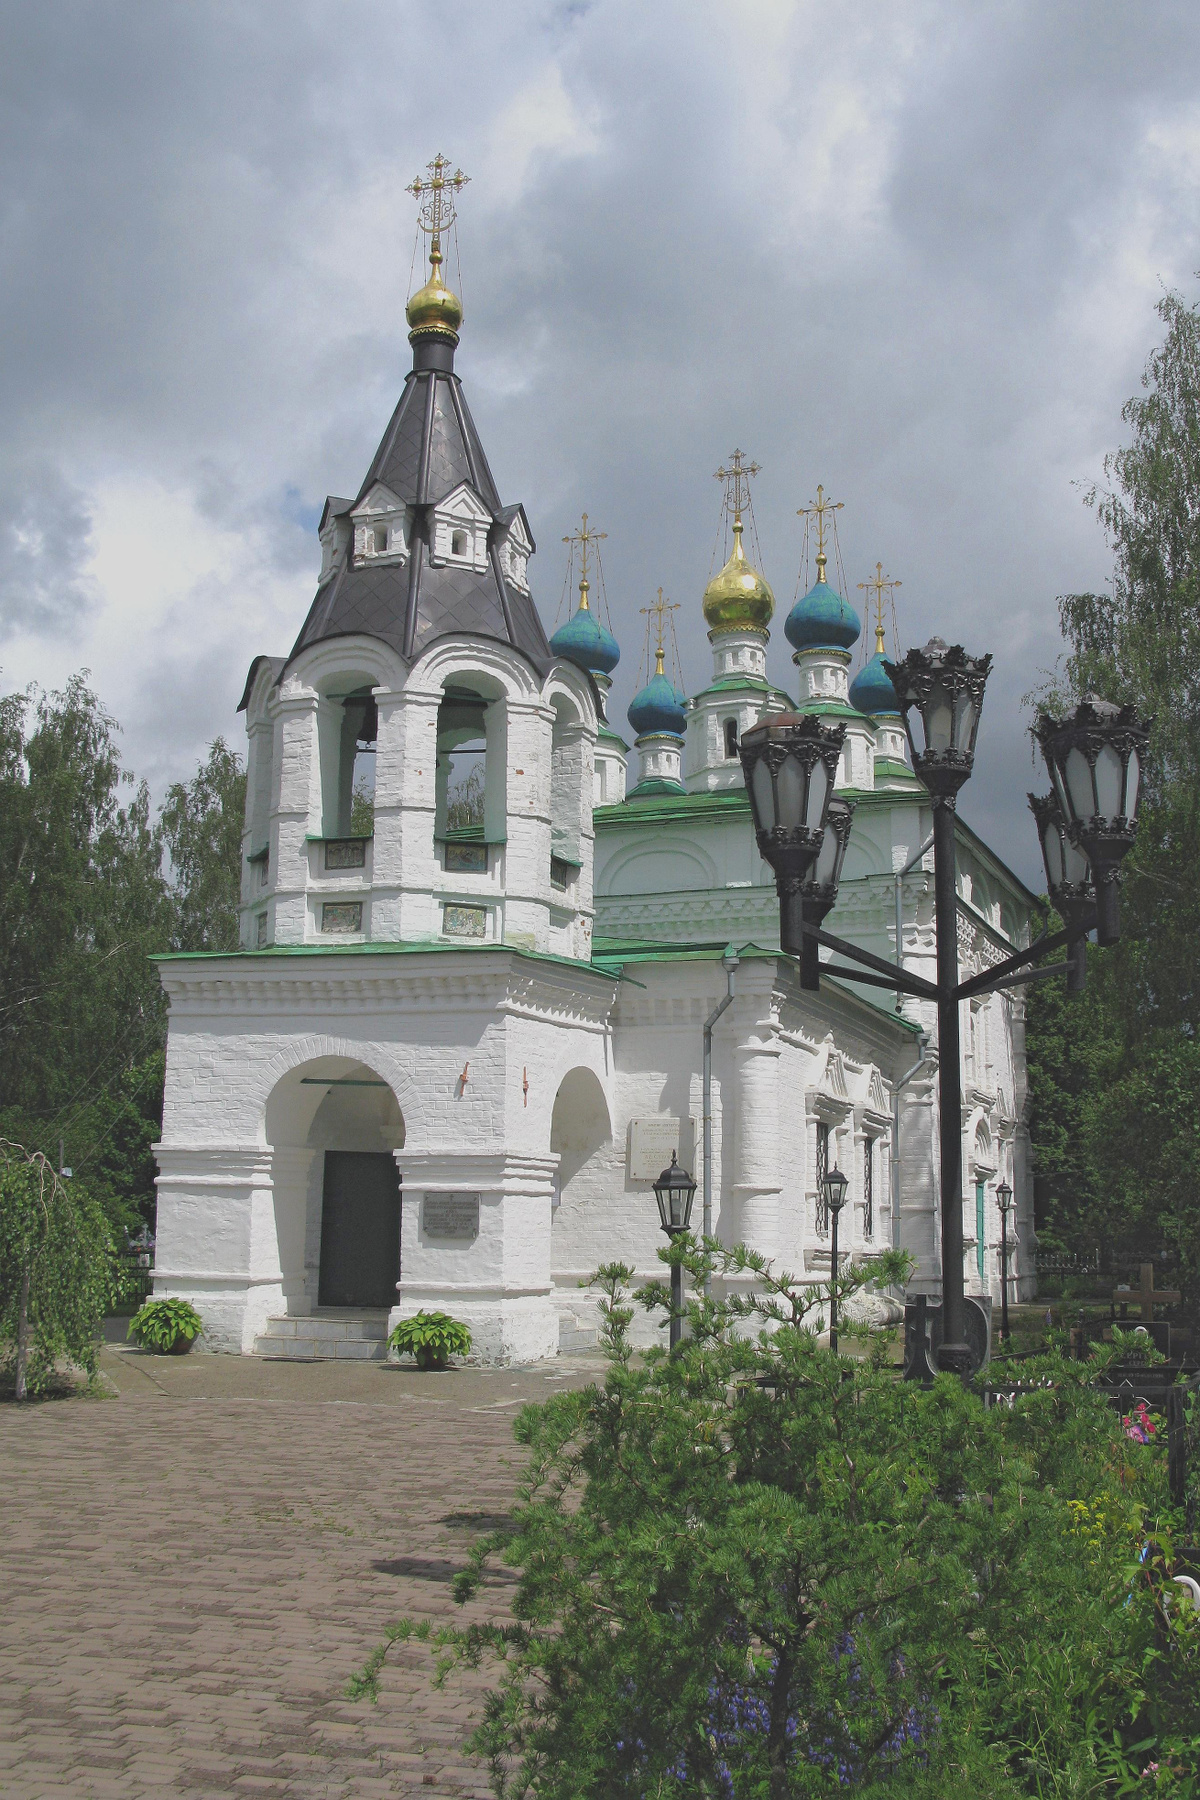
(192, 1575)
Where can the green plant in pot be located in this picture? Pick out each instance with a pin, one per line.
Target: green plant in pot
(168, 1327)
(432, 1337)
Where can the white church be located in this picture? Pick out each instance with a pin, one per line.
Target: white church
(466, 1026)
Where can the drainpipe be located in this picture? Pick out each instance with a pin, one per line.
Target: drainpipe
(729, 962)
(898, 879)
(923, 1047)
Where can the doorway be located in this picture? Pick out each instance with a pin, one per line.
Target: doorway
(360, 1229)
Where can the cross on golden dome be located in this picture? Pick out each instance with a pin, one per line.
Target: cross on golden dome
(583, 537)
(436, 197)
(882, 585)
(658, 616)
(737, 483)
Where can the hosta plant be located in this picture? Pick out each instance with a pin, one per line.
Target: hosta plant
(168, 1327)
(432, 1337)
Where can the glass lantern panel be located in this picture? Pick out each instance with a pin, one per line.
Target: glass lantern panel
(790, 785)
(1076, 867)
(818, 793)
(1110, 782)
(764, 796)
(964, 724)
(1052, 854)
(678, 1205)
(1133, 782)
(1080, 792)
(939, 720)
(823, 871)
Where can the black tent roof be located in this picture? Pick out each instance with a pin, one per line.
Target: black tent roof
(430, 448)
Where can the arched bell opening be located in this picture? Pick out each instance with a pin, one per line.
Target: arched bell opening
(334, 1125)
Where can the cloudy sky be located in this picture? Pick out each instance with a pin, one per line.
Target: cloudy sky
(907, 248)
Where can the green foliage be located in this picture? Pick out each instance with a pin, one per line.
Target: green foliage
(432, 1337)
(756, 1569)
(201, 825)
(1114, 1072)
(362, 810)
(55, 1258)
(165, 1325)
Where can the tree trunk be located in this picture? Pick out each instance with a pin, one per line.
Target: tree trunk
(23, 1335)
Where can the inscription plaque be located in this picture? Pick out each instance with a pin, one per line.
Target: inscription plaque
(651, 1142)
(450, 1215)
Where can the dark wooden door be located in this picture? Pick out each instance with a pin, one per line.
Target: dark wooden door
(360, 1229)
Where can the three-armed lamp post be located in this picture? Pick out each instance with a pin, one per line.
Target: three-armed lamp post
(675, 1190)
(1004, 1200)
(835, 1186)
(1094, 758)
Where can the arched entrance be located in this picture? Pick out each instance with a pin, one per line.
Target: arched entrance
(334, 1125)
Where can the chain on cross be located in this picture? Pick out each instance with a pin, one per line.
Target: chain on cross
(737, 478)
(881, 589)
(436, 198)
(584, 538)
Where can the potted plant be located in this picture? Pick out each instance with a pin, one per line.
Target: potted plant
(432, 1337)
(167, 1327)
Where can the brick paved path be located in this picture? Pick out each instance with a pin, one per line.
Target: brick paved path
(190, 1572)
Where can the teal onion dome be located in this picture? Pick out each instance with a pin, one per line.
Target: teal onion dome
(659, 707)
(585, 642)
(872, 692)
(822, 620)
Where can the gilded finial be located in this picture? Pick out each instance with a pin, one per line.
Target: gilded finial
(584, 538)
(434, 308)
(881, 589)
(817, 509)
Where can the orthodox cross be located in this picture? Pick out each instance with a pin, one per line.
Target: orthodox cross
(882, 585)
(583, 537)
(1147, 1294)
(737, 479)
(658, 616)
(436, 199)
(817, 509)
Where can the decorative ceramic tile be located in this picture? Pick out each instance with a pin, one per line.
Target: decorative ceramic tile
(464, 921)
(345, 853)
(342, 916)
(466, 859)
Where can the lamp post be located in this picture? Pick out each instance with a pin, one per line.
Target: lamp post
(940, 690)
(1068, 883)
(835, 1185)
(1004, 1200)
(790, 764)
(1095, 761)
(675, 1190)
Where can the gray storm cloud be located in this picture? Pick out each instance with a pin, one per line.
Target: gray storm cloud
(909, 250)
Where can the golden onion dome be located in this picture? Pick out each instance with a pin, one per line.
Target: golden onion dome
(738, 599)
(434, 307)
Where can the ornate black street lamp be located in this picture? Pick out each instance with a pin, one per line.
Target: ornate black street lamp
(1095, 761)
(819, 889)
(1068, 883)
(940, 690)
(675, 1190)
(1004, 1200)
(835, 1185)
(790, 764)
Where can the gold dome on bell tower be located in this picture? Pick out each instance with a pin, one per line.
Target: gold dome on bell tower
(435, 307)
(738, 598)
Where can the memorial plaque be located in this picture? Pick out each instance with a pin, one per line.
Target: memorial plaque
(651, 1142)
(450, 1215)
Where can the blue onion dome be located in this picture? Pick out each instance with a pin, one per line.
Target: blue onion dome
(822, 620)
(659, 706)
(585, 642)
(871, 691)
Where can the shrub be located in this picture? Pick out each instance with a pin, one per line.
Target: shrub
(168, 1327)
(55, 1253)
(759, 1570)
(433, 1338)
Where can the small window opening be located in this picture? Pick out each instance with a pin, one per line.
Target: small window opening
(822, 1171)
(731, 740)
(379, 539)
(458, 543)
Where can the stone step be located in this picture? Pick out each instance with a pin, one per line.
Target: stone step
(333, 1336)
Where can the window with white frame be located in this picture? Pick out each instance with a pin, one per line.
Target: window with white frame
(869, 1187)
(822, 1171)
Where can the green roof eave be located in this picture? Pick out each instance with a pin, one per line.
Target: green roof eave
(756, 683)
(610, 736)
(273, 952)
